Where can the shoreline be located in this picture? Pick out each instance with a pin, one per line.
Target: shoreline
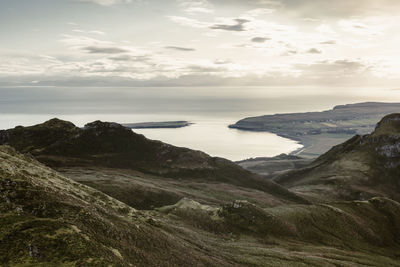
(295, 152)
(313, 145)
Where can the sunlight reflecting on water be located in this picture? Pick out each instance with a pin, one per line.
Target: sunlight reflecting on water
(216, 139)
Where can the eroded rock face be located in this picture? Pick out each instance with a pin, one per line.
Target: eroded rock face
(387, 139)
(390, 150)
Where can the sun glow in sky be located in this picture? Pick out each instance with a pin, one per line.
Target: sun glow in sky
(200, 43)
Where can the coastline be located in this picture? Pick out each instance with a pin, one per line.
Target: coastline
(313, 145)
(319, 131)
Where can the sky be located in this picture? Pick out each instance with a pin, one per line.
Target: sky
(349, 43)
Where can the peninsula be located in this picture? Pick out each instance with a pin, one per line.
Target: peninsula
(162, 124)
(319, 131)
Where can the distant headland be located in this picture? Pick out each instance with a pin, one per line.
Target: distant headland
(319, 131)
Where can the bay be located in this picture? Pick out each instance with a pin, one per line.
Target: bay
(210, 109)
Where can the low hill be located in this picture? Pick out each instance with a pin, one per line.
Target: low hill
(363, 167)
(270, 167)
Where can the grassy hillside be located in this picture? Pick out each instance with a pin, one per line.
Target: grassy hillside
(49, 220)
(273, 166)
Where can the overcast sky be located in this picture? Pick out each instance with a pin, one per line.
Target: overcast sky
(199, 42)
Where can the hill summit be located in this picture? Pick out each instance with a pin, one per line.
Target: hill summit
(389, 126)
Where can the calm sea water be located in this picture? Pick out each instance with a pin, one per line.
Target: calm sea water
(210, 109)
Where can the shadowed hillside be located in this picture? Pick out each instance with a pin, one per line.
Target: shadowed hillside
(273, 166)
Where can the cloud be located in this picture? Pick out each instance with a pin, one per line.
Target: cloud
(97, 32)
(260, 39)
(104, 50)
(178, 48)
(95, 46)
(340, 8)
(259, 12)
(329, 42)
(205, 69)
(290, 53)
(239, 26)
(188, 22)
(334, 69)
(79, 41)
(161, 70)
(105, 2)
(196, 6)
(372, 26)
(257, 4)
(79, 31)
(130, 58)
(222, 61)
(314, 51)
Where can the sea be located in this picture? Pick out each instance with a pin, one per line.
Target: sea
(210, 109)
